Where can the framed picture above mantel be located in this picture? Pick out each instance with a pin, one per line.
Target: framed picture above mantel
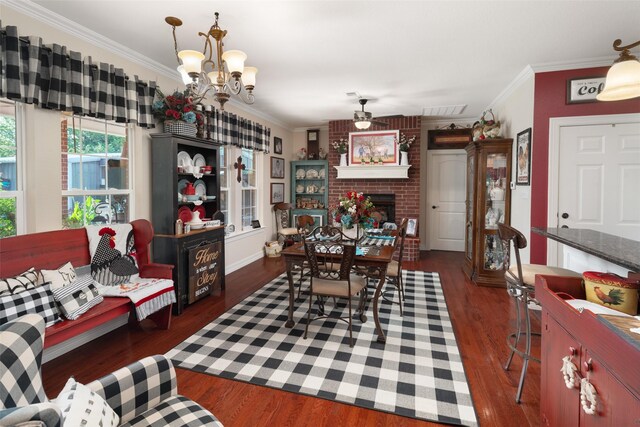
(379, 147)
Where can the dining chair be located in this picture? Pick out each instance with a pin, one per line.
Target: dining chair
(284, 227)
(305, 227)
(520, 280)
(394, 269)
(327, 281)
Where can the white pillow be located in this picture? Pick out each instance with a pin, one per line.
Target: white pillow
(58, 278)
(82, 407)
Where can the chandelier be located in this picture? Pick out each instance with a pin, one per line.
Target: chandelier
(224, 75)
(623, 78)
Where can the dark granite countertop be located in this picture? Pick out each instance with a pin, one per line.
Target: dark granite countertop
(618, 250)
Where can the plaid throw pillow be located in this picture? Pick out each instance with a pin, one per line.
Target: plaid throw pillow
(77, 297)
(20, 283)
(39, 301)
(21, 343)
(82, 407)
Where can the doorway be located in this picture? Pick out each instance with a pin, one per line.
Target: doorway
(446, 172)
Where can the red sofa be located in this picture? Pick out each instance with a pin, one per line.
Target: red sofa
(51, 249)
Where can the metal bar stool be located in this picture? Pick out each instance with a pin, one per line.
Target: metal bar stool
(520, 280)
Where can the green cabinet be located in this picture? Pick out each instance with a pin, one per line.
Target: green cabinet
(310, 189)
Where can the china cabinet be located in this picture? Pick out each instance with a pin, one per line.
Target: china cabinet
(310, 189)
(176, 163)
(488, 203)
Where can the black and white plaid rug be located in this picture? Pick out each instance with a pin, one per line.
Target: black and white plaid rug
(418, 373)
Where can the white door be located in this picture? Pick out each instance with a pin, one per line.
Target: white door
(446, 171)
(599, 179)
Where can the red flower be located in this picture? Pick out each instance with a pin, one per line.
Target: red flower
(176, 115)
(187, 108)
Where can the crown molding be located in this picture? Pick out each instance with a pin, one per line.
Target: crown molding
(306, 128)
(524, 75)
(602, 61)
(59, 22)
(64, 24)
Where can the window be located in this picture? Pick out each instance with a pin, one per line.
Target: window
(243, 209)
(96, 172)
(11, 194)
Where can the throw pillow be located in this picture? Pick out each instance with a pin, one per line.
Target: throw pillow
(58, 278)
(77, 297)
(19, 283)
(81, 406)
(112, 251)
(21, 343)
(38, 301)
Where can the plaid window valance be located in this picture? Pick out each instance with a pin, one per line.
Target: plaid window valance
(52, 77)
(230, 129)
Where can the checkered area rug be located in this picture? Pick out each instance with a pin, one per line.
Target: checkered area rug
(418, 373)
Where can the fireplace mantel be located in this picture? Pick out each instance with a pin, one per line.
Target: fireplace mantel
(372, 172)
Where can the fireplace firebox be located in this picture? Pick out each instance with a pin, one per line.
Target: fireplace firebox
(385, 204)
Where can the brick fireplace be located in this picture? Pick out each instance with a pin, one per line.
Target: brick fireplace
(406, 191)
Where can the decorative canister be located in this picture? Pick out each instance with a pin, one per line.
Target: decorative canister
(180, 128)
(611, 290)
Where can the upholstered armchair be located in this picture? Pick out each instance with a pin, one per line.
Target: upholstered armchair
(144, 393)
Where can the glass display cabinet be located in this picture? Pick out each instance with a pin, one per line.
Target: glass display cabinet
(488, 203)
(310, 189)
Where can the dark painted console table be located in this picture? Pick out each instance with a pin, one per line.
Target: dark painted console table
(615, 249)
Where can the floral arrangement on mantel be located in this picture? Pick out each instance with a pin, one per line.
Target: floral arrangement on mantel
(341, 145)
(178, 106)
(405, 143)
(353, 208)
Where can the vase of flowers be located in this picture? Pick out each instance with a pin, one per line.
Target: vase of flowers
(353, 213)
(404, 144)
(341, 146)
(178, 113)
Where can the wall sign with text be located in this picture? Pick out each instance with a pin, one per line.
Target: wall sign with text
(584, 89)
(204, 270)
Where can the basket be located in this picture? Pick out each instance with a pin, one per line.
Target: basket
(273, 249)
(611, 290)
(179, 127)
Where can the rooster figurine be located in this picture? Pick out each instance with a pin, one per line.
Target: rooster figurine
(615, 296)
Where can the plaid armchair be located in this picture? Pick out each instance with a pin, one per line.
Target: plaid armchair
(142, 394)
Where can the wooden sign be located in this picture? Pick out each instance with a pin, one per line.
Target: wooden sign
(443, 139)
(204, 270)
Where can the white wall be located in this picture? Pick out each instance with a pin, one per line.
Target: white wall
(43, 183)
(515, 112)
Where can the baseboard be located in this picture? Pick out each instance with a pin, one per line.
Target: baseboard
(244, 262)
(75, 342)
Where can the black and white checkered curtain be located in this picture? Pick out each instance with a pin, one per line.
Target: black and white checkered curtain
(229, 129)
(57, 79)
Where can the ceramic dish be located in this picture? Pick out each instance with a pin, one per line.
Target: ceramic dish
(199, 161)
(230, 228)
(181, 184)
(201, 188)
(184, 213)
(300, 174)
(196, 225)
(200, 210)
(312, 173)
(184, 159)
(299, 188)
(321, 174)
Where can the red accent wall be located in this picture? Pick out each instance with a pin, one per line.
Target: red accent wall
(550, 101)
(407, 191)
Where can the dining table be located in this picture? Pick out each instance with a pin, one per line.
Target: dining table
(372, 257)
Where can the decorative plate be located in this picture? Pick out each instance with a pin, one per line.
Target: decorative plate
(321, 174)
(299, 188)
(300, 174)
(199, 161)
(184, 213)
(312, 173)
(181, 184)
(201, 187)
(201, 211)
(184, 159)
(230, 228)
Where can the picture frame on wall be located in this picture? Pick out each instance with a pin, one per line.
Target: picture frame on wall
(523, 157)
(277, 145)
(376, 145)
(277, 192)
(584, 89)
(277, 167)
(412, 227)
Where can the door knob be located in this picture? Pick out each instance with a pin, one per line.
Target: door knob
(434, 207)
(565, 215)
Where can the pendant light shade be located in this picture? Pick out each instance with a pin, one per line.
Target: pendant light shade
(363, 124)
(191, 61)
(623, 78)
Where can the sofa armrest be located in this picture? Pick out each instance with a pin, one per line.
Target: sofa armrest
(134, 389)
(156, 271)
(46, 414)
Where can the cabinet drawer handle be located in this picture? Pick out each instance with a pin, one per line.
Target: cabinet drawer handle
(588, 396)
(569, 371)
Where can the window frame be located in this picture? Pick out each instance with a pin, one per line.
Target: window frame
(19, 194)
(235, 189)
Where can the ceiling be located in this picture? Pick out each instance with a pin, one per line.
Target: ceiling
(407, 55)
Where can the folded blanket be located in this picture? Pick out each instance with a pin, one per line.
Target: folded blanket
(147, 295)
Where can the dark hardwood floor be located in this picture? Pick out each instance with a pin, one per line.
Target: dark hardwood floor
(481, 317)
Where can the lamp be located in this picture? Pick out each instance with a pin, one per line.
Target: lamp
(623, 78)
(362, 124)
(225, 74)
